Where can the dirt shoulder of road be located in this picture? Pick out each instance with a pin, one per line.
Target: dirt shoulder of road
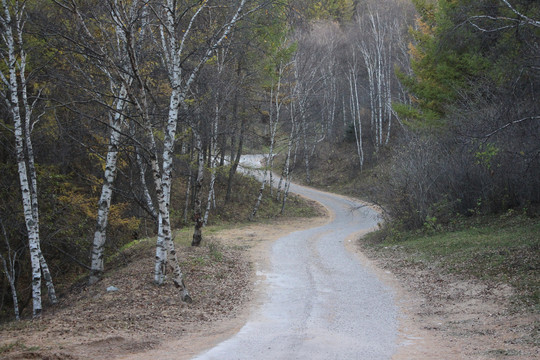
(448, 317)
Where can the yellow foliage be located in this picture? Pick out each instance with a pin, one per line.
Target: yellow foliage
(424, 27)
(84, 205)
(212, 60)
(415, 52)
(117, 219)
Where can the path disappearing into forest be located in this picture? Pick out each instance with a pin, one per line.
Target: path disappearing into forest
(318, 302)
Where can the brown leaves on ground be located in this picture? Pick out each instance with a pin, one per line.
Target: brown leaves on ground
(466, 318)
(92, 323)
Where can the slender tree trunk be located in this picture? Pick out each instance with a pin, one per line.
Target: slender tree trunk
(285, 195)
(263, 180)
(211, 192)
(287, 166)
(10, 272)
(142, 177)
(32, 173)
(197, 215)
(213, 163)
(372, 98)
(274, 121)
(173, 48)
(259, 196)
(161, 251)
(305, 142)
(16, 65)
(280, 183)
(47, 277)
(32, 226)
(34, 190)
(10, 276)
(166, 183)
(355, 115)
(188, 187)
(165, 250)
(274, 118)
(236, 161)
(104, 205)
(388, 82)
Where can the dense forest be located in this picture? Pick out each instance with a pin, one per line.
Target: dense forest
(127, 118)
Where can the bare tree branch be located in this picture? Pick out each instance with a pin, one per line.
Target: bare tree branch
(521, 20)
(510, 124)
(527, 19)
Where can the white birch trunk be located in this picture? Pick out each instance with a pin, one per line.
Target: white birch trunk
(287, 165)
(274, 121)
(265, 174)
(275, 107)
(305, 141)
(12, 32)
(161, 253)
(211, 192)
(104, 204)
(142, 177)
(213, 164)
(47, 277)
(172, 50)
(388, 82)
(32, 173)
(119, 82)
(377, 52)
(259, 196)
(355, 115)
(165, 251)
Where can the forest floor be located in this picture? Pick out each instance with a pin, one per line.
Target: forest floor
(444, 317)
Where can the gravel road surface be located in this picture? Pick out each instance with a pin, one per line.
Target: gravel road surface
(319, 302)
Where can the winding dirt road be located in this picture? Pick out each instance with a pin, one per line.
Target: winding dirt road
(319, 301)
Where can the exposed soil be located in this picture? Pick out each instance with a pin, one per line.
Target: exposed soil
(444, 317)
(448, 317)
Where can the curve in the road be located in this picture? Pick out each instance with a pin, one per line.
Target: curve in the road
(320, 302)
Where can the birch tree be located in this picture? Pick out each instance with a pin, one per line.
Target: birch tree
(221, 95)
(277, 70)
(379, 40)
(110, 57)
(236, 140)
(175, 52)
(15, 94)
(290, 157)
(125, 24)
(375, 45)
(354, 102)
(309, 74)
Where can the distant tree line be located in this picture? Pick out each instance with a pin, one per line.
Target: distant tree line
(437, 101)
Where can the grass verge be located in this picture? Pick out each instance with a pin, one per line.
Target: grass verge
(497, 249)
